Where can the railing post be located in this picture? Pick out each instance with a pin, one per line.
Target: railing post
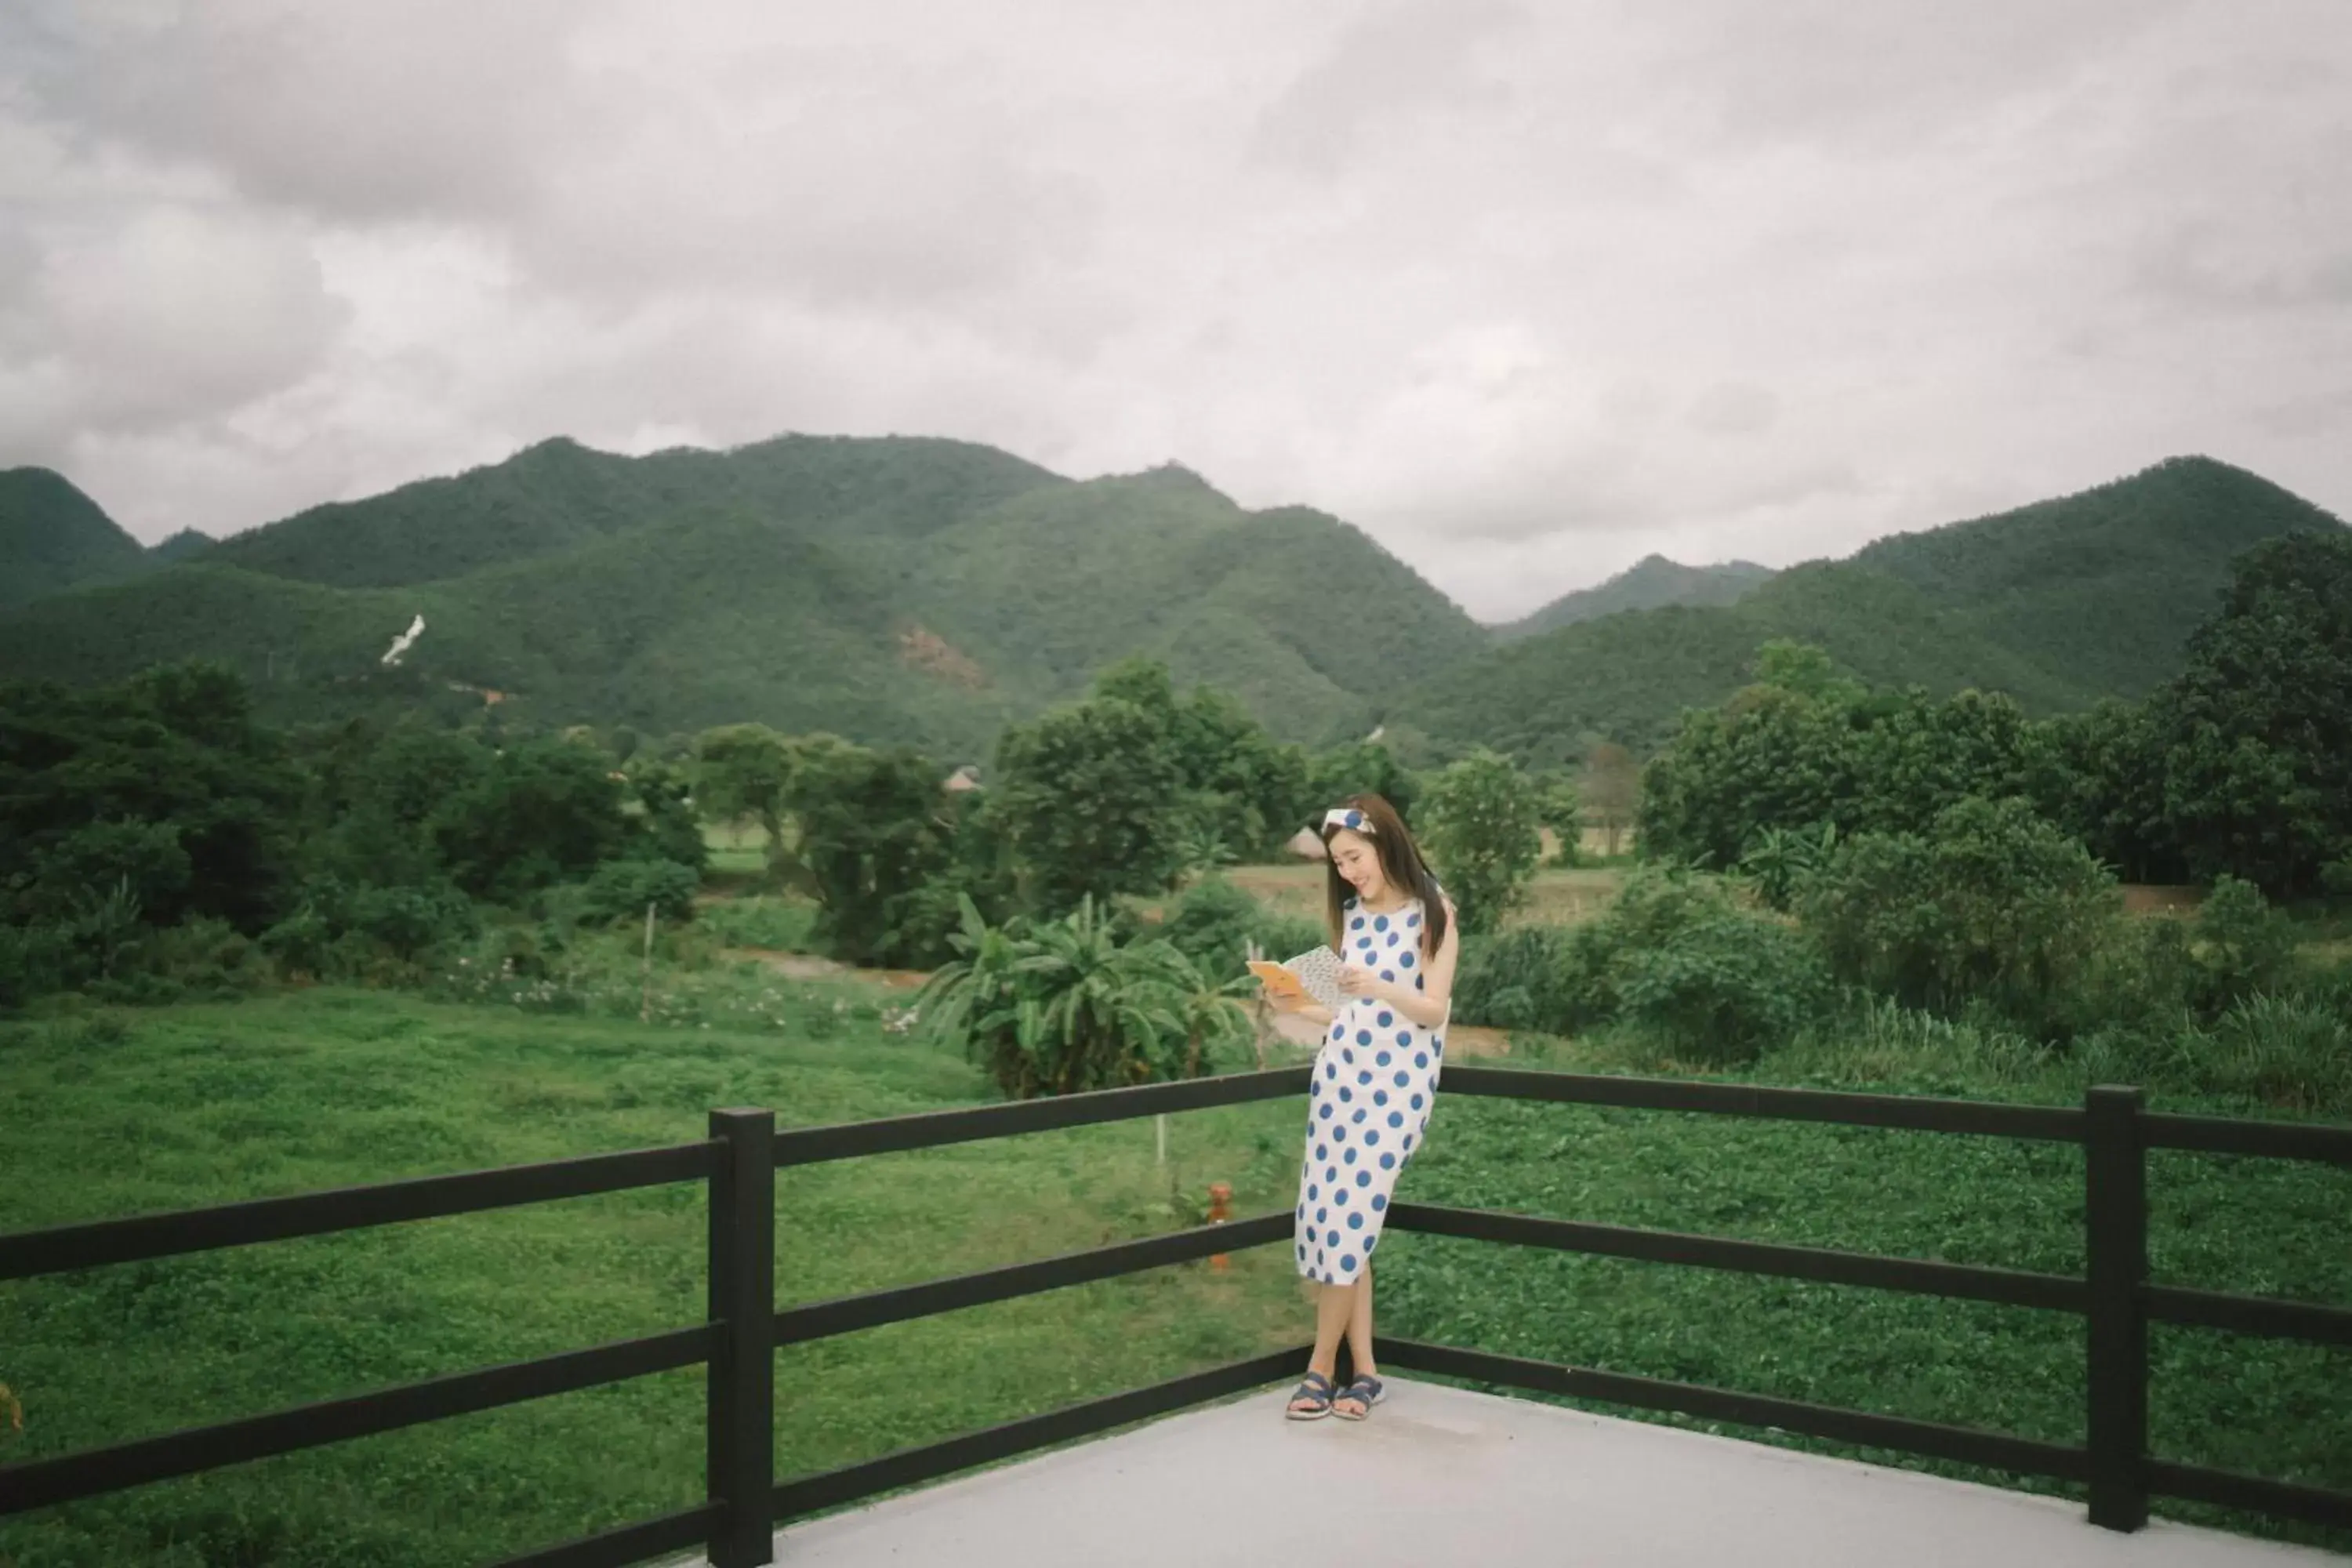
(740, 1398)
(2114, 1170)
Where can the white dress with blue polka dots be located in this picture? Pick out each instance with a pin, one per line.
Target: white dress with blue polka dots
(1375, 1079)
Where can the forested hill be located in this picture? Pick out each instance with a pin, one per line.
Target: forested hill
(2058, 603)
(928, 591)
(890, 590)
(1653, 582)
(53, 538)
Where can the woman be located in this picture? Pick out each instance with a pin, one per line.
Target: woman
(1375, 1079)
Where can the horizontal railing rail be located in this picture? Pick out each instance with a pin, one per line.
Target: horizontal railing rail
(1919, 1277)
(743, 1329)
(934, 1128)
(144, 1237)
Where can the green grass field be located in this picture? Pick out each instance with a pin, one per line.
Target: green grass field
(113, 1113)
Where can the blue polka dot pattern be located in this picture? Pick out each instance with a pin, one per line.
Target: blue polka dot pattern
(1338, 1219)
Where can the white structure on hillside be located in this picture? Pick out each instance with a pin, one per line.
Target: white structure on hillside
(403, 642)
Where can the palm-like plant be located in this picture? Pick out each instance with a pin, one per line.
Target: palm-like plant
(1066, 1007)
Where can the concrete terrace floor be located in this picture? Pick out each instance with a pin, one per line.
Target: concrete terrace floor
(1438, 1475)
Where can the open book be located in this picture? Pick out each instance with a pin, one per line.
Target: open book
(1315, 973)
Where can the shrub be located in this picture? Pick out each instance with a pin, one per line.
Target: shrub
(1675, 958)
(1068, 1006)
(35, 960)
(1722, 989)
(1215, 923)
(1995, 905)
(2243, 944)
(1530, 977)
(620, 890)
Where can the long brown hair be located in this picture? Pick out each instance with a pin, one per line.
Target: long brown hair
(1400, 863)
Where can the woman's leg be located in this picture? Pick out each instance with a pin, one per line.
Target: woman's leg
(1359, 1328)
(1335, 1307)
(1359, 1335)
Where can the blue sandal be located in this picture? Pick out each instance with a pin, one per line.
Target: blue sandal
(1315, 1390)
(1366, 1392)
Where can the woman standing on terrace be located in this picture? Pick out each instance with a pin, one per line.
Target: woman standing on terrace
(1375, 1079)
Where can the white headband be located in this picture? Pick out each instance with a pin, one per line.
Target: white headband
(1349, 817)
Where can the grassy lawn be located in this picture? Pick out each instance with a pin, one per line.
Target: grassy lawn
(102, 1115)
(210, 1104)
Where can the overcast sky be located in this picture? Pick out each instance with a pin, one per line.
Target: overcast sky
(1526, 291)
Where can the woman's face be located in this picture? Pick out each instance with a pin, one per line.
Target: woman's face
(1359, 864)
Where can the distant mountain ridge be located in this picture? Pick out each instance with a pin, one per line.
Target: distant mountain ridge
(930, 591)
(890, 589)
(53, 538)
(2058, 603)
(1653, 582)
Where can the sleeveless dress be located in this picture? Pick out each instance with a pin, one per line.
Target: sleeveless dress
(1375, 1080)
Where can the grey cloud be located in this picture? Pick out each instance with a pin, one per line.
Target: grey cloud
(2183, 270)
(1733, 408)
(1396, 60)
(429, 108)
(1878, 80)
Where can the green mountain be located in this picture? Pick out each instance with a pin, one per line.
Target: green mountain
(560, 495)
(2058, 603)
(53, 538)
(1653, 582)
(184, 545)
(2106, 585)
(926, 592)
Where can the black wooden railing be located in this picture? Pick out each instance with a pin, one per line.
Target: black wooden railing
(743, 1504)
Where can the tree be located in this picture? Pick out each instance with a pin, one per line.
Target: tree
(875, 828)
(741, 772)
(1560, 809)
(1483, 830)
(1360, 767)
(164, 781)
(2256, 732)
(1611, 788)
(2102, 777)
(1092, 799)
(539, 812)
(1769, 757)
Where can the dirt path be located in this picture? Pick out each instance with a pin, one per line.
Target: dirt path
(808, 966)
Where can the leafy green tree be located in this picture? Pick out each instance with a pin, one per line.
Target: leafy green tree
(2101, 776)
(1091, 798)
(1560, 807)
(1611, 789)
(539, 812)
(665, 828)
(742, 774)
(1360, 767)
(1769, 757)
(163, 782)
(874, 828)
(2256, 732)
(1482, 822)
